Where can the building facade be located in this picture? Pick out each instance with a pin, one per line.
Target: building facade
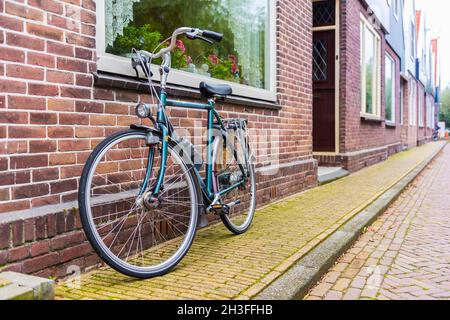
(367, 100)
(66, 83)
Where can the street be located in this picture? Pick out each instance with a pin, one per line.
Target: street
(405, 255)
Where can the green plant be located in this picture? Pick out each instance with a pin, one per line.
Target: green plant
(226, 69)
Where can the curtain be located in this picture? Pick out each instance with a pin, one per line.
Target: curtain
(118, 13)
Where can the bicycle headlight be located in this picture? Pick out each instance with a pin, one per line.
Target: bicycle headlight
(143, 111)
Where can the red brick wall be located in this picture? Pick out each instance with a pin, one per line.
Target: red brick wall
(52, 115)
(357, 134)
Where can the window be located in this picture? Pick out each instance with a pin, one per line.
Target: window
(402, 101)
(421, 107)
(413, 40)
(370, 70)
(245, 57)
(396, 9)
(412, 103)
(390, 88)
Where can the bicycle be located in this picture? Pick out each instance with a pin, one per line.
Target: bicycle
(142, 196)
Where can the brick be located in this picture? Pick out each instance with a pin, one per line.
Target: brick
(4, 194)
(71, 172)
(63, 186)
(26, 12)
(76, 93)
(43, 118)
(20, 40)
(105, 94)
(18, 254)
(45, 31)
(103, 120)
(2, 102)
(61, 132)
(38, 89)
(29, 230)
(73, 119)
(14, 206)
(31, 191)
(24, 72)
(17, 232)
(59, 77)
(40, 248)
(32, 161)
(11, 23)
(5, 236)
(12, 86)
(60, 49)
(89, 107)
(75, 252)
(62, 159)
(71, 65)
(61, 105)
(83, 53)
(45, 201)
(64, 23)
(26, 103)
(79, 40)
(11, 54)
(84, 80)
(14, 117)
(47, 174)
(42, 146)
(88, 4)
(26, 132)
(89, 132)
(40, 263)
(41, 59)
(3, 164)
(47, 5)
(13, 147)
(73, 145)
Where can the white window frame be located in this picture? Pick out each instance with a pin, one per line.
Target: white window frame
(377, 77)
(389, 58)
(396, 8)
(412, 103)
(421, 107)
(120, 65)
(402, 101)
(413, 40)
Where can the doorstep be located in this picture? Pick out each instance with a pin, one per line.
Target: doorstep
(330, 174)
(222, 266)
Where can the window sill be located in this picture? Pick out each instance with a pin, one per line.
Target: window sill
(108, 80)
(371, 118)
(391, 125)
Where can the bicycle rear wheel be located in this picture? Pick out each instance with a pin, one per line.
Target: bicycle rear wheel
(231, 166)
(133, 235)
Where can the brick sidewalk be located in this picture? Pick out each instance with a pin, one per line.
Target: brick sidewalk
(222, 266)
(406, 254)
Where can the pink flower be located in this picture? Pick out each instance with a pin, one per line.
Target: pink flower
(180, 45)
(232, 58)
(214, 59)
(188, 59)
(234, 68)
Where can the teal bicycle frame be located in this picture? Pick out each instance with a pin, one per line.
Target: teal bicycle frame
(162, 121)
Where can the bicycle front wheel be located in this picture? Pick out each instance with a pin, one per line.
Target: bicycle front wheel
(133, 235)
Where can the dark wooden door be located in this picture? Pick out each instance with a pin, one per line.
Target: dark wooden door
(324, 109)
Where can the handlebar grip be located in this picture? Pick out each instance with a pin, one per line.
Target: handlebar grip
(213, 35)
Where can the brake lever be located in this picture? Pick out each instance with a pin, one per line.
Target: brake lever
(206, 40)
(194, 36)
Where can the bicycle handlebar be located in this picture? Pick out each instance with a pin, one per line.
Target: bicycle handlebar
(191, 33)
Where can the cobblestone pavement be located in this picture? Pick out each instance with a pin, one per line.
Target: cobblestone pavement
(222, 266)
(405, 255)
